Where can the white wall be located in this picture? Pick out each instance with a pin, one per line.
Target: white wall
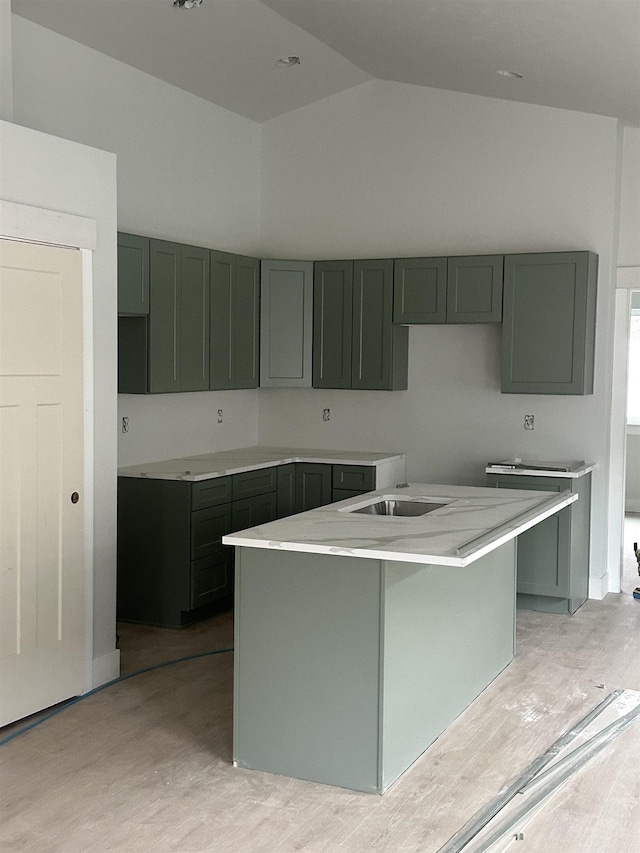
(391, 170)
(55, 174)
(188, 171)
(6, 65)
(629, 247)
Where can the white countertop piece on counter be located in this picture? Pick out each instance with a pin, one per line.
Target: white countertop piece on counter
(224, 462)
(529, 468)
(473, 522)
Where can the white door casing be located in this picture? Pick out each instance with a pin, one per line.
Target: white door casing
(42, 581)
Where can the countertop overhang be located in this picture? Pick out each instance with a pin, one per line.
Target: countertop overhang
(474, 522)
(208, 466)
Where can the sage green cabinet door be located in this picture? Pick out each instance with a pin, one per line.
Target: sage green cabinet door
(235, 321)
(286, 323)
(221, 321)
(549, 323)
(132, 355)
(246, 323)
(420, 290)
(313, 485)
(211, 578)
(332, 323)
(164, 317)
(249, 512)
(194, 319)
(286, 494)
(133, 274)
(372, 310)
(474, 289)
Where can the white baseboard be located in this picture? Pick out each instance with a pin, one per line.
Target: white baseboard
(599, 587)
(106, 668)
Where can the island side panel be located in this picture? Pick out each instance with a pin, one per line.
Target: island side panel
(448, 632)
(307, 666)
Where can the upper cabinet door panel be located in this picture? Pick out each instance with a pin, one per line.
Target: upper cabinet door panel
(221, 325)
(164, 317)
(372, 317)
(420, 290)
(474, 289)
(549, 323)
(194, 319)
(332, 324)
(133, 274)
(246, 323)
(286, 298)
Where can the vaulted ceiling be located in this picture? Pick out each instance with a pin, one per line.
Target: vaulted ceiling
(573, 54)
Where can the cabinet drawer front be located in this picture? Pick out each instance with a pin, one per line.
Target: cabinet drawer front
(360, 478)
(211, 492)
(211, 577)
(208, 526)
(252, 483)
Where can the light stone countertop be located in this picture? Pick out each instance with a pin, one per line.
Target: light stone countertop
(222, 463)
(473, 523)
(529, 468)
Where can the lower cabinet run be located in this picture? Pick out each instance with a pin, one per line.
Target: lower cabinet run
(370, 662)
(172, 566)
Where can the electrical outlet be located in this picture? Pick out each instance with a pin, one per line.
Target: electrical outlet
(528, 421)
(219, 416)
(326, 414)
(125, 425)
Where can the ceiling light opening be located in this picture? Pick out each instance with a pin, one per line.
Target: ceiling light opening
(187, 4)
(514, 74)
(288, 61)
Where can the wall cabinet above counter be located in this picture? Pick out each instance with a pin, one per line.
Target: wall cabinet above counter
(195, 319)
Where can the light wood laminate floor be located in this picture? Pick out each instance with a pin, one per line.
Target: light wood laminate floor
(145, 765)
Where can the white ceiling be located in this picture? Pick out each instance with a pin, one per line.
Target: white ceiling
(574, 54)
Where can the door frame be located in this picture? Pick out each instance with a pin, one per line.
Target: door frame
(50, 227)
(628, 279)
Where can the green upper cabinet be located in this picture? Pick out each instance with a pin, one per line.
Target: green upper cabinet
(133, 274)
(474, 289)
(355, 344)
(247, 323)
(234, 347)
(194, 319)
(286, 323)
(379, 353)
(549, 323)
(448, 290)
(420, 290)
(164, 317)
(332, 323)
(178, 318)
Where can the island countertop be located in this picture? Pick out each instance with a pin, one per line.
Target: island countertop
(473, 522)
(224, 462)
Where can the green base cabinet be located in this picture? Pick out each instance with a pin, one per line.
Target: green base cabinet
(370, 661)
(465, 289)
(172, 565)
(553, 556)
(355, 344)
(549, 323)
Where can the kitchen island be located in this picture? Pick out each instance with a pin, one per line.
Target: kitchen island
(360, 637)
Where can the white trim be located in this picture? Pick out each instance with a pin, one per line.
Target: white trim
(628, 278)
(23, 222)
(38, 225)
(106, 668)
(599, 587)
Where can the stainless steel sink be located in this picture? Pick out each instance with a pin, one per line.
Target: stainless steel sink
(399, 507)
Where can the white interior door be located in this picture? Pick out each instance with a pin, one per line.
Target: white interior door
(41, 477)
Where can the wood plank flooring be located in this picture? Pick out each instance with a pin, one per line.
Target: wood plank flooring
(145, 765)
